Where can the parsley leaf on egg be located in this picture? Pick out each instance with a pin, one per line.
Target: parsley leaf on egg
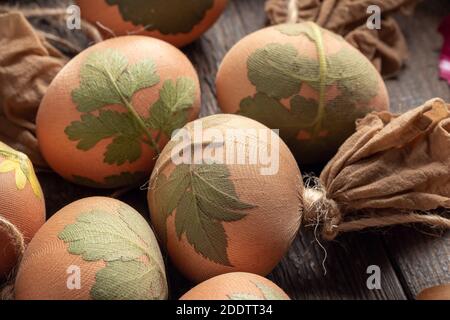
(107, 79)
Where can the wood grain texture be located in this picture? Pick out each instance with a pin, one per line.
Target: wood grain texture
(421, 257)
(419, 81)
(302, 275)
(409, 258)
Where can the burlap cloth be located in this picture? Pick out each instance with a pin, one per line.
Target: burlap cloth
(28, 63)
(385, 47)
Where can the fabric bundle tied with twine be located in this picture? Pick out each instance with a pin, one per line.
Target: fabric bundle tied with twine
(386, 47)
(393, 170)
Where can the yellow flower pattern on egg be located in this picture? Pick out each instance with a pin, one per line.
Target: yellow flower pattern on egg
(17, 162)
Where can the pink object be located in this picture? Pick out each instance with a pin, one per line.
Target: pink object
(444, 60)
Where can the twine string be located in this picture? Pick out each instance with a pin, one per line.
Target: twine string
(7, 292)
(18, 242)
(292, 11)
(14, 234)
(282, 11)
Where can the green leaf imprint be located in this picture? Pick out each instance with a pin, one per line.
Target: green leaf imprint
(274, 115)
(134, 270)
(107, 79)
(268, 293)
(168, 16)
(137, 279)
(338, 122)
(106, 76)
(120, 126)
(279, 71)
(243, 296)
(115, 181)
(170, 111)
(204, 197)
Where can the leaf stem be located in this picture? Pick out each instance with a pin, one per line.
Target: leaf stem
(158, 137)
(135, 115)
(323, 70)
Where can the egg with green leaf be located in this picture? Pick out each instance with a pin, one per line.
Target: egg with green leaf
(236, 286)
(303, 80)
(225, 196)
(176, 21)
(22, 207)
(109, 112)
(93, 249)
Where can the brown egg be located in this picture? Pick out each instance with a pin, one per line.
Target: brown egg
(95, 248)
(441, 292)
(303, 80)
(22, 205)
(236, 286)
(170, 20)
(233, 208)
(111, 108)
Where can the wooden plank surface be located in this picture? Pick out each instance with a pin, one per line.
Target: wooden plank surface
(409, 258)
(420, 257)
(419, 81)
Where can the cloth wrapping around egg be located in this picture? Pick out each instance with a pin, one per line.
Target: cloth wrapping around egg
(303, 80)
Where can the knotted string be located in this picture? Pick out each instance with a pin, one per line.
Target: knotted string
(292, 12)
(18, 243)
(282, 11)
(319, 209)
